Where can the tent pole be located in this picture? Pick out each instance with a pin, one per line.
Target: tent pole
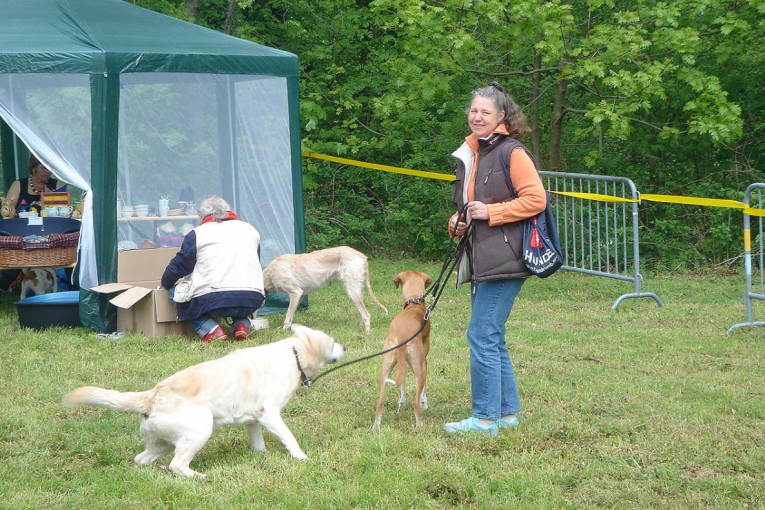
(99, 314)
(227, 158)
(8, 161)
(293, 100)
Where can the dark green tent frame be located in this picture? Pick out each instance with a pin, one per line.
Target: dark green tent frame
(105, 39)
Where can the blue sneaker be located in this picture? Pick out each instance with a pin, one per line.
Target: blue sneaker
(507, 423)
(471, 425)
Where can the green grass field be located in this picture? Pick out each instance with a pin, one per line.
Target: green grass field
(641, 407)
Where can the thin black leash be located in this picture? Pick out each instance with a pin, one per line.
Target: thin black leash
(437, 288)
(303, 378)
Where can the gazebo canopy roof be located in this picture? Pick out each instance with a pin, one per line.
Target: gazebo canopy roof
(108, 36)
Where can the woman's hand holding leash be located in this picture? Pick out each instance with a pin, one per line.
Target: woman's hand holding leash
(459, 225)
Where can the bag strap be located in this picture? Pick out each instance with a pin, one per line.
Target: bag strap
(509, 181)
(510, 186)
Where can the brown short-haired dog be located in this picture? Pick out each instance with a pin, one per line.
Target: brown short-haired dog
(415, 352)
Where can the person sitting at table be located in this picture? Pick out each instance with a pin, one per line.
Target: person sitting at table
(28, 190)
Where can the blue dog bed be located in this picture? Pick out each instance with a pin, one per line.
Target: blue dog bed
(48, 310)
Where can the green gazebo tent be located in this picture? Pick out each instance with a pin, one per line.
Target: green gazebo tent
(130, 105)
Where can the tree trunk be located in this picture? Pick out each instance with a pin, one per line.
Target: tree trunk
(192, 10)
(556, 129)
(229, 17)
(536, 80)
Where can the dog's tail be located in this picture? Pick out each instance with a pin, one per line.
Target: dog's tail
(134, 402)
(372, 294)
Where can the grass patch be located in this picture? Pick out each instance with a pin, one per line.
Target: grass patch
(641, 407)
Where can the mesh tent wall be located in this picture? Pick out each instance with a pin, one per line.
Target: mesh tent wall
(128, 104)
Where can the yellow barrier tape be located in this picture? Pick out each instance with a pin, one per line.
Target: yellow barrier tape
(709, 202)
(754, 212)
(672, 199)
(384, 168)
(593, 196)
(706, 202)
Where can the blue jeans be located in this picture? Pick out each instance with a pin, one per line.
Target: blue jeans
(492, 380)
(205, 323)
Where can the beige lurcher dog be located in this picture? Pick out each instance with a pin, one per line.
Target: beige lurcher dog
(246, 387)
(406, 324)
(300, 274)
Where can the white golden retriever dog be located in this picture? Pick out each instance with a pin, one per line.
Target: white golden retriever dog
(247, 387)
(300, 274)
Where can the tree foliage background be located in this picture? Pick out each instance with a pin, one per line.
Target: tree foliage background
(668, 94)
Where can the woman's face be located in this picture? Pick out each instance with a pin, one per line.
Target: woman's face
(483, 117)
(41, 173)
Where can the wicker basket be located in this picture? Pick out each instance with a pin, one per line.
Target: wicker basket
(49, 257)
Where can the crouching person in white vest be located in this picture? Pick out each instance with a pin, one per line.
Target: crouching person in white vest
(217, 273)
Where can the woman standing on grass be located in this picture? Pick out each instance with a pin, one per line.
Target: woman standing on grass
(495, 265)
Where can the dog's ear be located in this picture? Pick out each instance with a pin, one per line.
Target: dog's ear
(397, 280)
(299, 330)
(428, 281)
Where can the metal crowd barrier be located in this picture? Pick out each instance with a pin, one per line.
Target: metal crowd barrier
(755, 273)
(597, 220)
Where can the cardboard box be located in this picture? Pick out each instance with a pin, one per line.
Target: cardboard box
(142, 307)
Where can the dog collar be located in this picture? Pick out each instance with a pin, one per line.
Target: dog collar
(414, 301)
(303, 378)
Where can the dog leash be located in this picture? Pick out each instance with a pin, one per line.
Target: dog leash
(437, 288)
(303, 378)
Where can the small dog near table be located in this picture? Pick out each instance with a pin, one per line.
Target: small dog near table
(247, 387)
(37, 281)
(300, 274)
(415, 352)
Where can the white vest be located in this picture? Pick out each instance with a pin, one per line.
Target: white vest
(227, 258)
